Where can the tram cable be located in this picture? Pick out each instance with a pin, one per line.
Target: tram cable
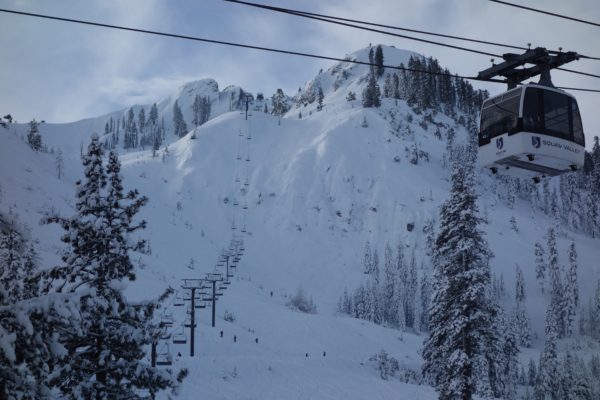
(339, 21)
(506, 3)
(252, 47)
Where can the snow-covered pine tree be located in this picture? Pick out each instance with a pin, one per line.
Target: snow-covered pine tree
(371, 93)
(378, 59)
(142, 128)
(388, 90)
(179, 125)
(28, 321)
(540, 264)
(205, 110)
(374, 288)
(196, 109)
(410, 293)
(279, 104)
(33, 136)
(320, 97)
(547, 385)
(153, 115)
(389, 304)
(571, 291)
(425, 293)
(107, 347)
(60, 163)
(396, 86)
(461, 314)
(510, 363)
(400, 286)
(367, 258)
(521, 320)
(557, 294)
(595, 313)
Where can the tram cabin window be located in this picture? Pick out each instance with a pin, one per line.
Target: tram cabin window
(552, 113)
(500, 116)
(556, 114)
(577, 125)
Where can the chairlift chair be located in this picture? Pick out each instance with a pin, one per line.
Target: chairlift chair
(164, 358)
(165, 334)
(188, 323)
(166, 320)
(178, 301)
(179, 338)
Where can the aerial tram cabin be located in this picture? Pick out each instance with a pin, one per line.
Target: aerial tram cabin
(533, 130)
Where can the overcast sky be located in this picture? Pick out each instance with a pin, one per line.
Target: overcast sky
(62, 72)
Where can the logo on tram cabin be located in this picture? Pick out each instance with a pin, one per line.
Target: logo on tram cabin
(536, 141)
(499, 143)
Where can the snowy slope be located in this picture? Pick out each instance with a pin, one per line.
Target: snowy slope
(319, 187)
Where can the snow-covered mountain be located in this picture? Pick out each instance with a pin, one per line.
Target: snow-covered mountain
(320, 185)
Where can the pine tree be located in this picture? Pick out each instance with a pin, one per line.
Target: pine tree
(547, 384)
(595, 313)
(425, 294)
(320, 97)
(367, 258)
(142, 127)
(396, 86)
(60, 163)
(410, 294)
(390, 306)
(400, 286)
(388, 90)
(520, 317)
(371, 94)
(106, 350)
(33, 136)
(179, 124)
(540, 264)
(196, 109)
(556, 285)
(460, 314)
(571, 292)
(28, 321)
(153, 116)
(379, 69)
(279, 104)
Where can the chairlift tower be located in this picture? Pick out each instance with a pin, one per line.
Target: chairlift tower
(213, 278)
(192, 284)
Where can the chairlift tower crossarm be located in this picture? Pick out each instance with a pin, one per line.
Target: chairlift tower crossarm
(514, 67)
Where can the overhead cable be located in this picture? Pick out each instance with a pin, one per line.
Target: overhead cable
(252, 47)
(545, 12)
(337, 21)
(226, 43)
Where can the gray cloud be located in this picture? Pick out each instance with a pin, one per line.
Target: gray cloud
(63, 72)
